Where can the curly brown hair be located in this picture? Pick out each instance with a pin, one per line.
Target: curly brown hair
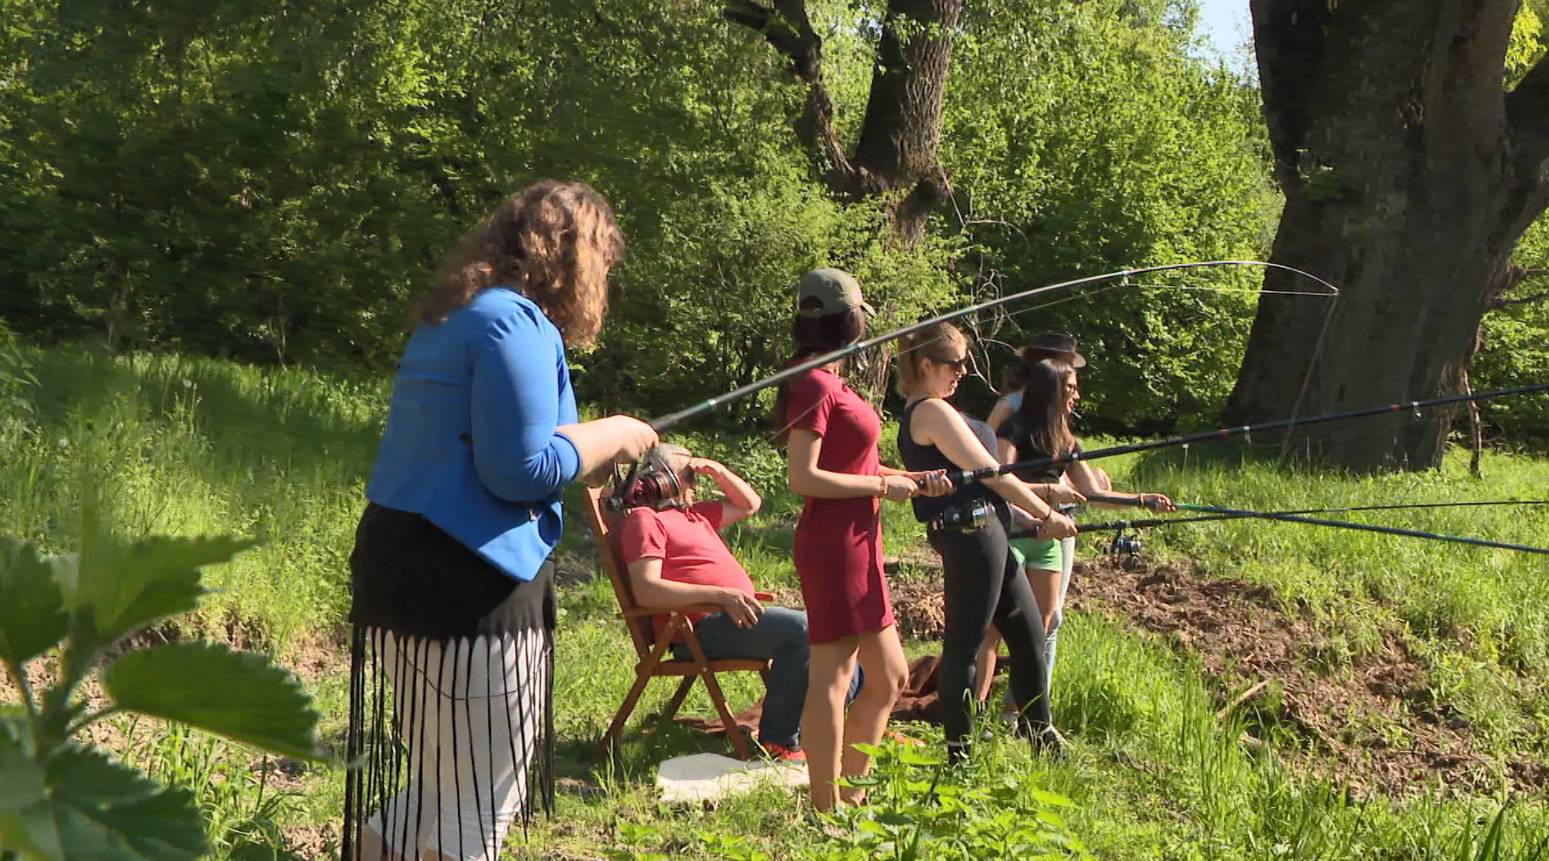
(553, 241)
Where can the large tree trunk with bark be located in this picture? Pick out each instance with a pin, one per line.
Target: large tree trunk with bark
(896, 154)
(1409, 175)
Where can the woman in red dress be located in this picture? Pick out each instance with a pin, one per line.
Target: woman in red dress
(832, 449)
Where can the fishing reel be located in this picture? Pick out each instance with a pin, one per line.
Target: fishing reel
(651, 482)
(968, 516)
(1125, 546)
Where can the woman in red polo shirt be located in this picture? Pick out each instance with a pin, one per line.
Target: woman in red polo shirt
(832, 434)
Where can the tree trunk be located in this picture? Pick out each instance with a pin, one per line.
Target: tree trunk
(1409, 176)
(897, 152)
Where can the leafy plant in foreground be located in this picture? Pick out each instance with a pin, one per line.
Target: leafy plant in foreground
(60, 798)
(918, 808)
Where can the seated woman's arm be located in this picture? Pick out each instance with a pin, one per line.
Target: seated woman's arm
(739, 500)
(999, 413)
(651, 590)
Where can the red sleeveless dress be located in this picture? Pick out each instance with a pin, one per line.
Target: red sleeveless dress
(838, 544)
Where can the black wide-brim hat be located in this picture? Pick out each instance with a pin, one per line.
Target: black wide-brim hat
(1054, 345)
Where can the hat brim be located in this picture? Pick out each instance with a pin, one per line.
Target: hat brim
(1077, 360)
(866, 306)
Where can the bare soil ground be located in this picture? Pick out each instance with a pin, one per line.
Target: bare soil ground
(1371, 726)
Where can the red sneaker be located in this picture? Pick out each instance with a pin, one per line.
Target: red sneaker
(781, 753)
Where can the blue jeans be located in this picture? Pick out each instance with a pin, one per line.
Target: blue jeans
(780, 636)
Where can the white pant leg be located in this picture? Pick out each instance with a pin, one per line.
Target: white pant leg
(472, 715)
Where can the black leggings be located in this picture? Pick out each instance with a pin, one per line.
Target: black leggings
(983, 585)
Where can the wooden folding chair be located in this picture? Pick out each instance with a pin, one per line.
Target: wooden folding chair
(653, 655)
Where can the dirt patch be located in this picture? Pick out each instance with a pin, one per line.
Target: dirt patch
(1372, 725)
(919, 608)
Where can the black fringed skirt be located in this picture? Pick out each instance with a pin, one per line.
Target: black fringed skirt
(451, 695)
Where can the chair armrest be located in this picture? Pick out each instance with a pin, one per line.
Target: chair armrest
(663, 611)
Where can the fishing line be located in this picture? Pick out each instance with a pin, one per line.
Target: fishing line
(967, 476)
(1366, 527)
(1146, 523)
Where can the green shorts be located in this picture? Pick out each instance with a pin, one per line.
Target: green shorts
(1040, 555)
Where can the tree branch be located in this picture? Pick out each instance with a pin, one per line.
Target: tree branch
(1522, 300)
(786, 27)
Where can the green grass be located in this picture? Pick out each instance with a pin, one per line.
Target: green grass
(185, 446)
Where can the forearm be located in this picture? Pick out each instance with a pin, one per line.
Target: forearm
(1018, 493)
(1109, 499)
(597, 442)
(736, 490)
(823, 484)
(669, 594)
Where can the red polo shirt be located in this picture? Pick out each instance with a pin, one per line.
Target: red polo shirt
(689, 544)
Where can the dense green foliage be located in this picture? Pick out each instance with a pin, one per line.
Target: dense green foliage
(1516, 346)
(275, 183)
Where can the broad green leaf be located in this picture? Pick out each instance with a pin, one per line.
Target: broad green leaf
(32, 616)
(123, 587)
(102, 810)
(239, 695)
(23, 794)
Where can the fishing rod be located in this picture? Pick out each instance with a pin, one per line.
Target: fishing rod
(1146, 523)
(662, 424)
(961, 477)
(1366, 527)
(1224, 513)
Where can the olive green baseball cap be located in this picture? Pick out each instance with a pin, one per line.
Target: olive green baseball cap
(837, 291)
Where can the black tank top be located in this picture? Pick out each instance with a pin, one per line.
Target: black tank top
(919, 458)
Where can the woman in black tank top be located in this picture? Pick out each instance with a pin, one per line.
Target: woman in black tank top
(981, 585)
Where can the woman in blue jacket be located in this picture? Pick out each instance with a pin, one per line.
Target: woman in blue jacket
(453, 599)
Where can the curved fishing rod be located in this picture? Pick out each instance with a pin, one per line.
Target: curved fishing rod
(1146, 523)
(965, 476)
(662, 424)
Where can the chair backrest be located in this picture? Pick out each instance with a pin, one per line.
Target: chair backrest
(603, 522)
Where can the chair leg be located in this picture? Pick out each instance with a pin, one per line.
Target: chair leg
(642, 678)
(670, 711)
(739, 739)
(643, 673)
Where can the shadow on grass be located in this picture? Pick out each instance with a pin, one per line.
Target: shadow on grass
(301, 418)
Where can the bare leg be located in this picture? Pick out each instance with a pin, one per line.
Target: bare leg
(984, 665)
(1046, 588)
(887, 671)
(822, 717)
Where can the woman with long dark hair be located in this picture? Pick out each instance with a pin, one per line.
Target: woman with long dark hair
(451, 673)
(831, 439)
(1040, 428)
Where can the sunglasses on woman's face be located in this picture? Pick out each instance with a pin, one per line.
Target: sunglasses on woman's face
(956, 364)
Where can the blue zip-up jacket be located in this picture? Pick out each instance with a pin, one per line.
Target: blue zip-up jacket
(470, 442)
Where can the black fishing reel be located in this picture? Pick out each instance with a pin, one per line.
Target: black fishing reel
(969, 516)
(1125, 546)
(651, 482)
